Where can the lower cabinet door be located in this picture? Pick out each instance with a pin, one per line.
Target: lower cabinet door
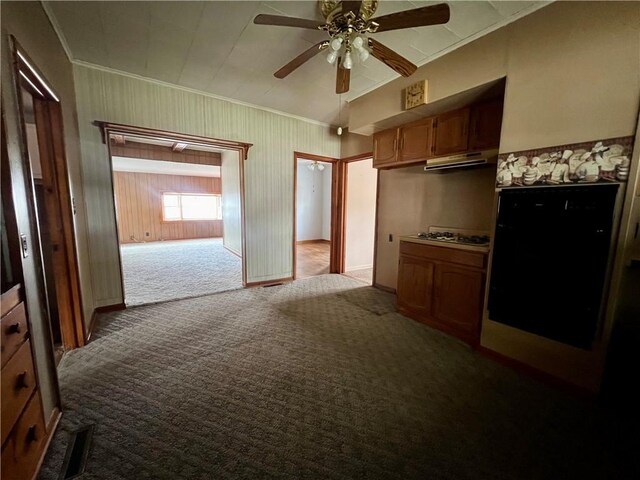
(415, 285)
(458, 297)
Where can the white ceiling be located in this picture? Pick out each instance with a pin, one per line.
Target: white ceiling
(214, 47)
(168, 142)
(140, 165)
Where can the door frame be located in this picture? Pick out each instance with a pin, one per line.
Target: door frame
(60, 210)
(108, 128)
(336, 255)
(345, 175)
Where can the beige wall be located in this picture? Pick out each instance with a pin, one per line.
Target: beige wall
(30, 26)
(360, 214)
(231, 202)
(410, 200)
(268, 171)
(353, 144)
(554, 95)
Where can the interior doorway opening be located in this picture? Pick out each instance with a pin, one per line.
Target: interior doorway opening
(313, 217)
(361, 187)
(178, 208)
(46, 170)
(316, 215)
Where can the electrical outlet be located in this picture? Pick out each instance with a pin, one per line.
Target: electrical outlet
(391, 237)
(146, 234)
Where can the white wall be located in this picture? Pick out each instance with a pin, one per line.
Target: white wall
(231, 206)
(113, 97)
(360, 215)
(313, 211)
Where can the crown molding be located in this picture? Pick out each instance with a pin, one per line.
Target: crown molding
(56, 28)
(496, 26)
(114, 71)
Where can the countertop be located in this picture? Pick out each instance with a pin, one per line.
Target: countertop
(437, 243)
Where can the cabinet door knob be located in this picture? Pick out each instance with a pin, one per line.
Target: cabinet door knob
(21, 381)
(14, 328)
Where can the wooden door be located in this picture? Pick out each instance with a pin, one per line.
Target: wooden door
(485, 125)
(452, 132)
(415, 285)
(384, 147)
(416, 141)
(458, 297)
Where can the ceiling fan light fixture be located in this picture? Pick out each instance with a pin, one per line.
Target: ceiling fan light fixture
(347, 63)
(357, 42)
(336, 43)
(363, 54)
(332, 57)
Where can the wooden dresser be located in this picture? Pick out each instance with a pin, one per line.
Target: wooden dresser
(23, 428)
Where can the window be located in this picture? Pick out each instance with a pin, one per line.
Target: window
(190, 206)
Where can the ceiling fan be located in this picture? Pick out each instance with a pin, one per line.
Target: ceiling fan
(349, 25)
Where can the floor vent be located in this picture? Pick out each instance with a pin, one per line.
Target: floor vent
(75, 460)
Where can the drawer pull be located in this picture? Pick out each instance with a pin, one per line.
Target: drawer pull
(21, 381)
(15, 328)
(32, 434)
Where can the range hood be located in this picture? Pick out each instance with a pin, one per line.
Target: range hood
(462, 160)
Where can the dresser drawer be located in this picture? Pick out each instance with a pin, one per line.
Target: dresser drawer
(18, 382)
(21, 453)
(14, 331)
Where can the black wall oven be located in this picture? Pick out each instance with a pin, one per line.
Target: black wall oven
(550, 257)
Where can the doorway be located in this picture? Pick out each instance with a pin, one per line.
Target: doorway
(179, 215)
(315, 207)
(46, 165)
(361, 186)
(313, 217)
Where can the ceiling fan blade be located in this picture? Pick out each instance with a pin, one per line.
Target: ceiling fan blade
(343, 77)
(418, 17)
(351, 7)
(391, 59)
(300, 59)
(281, 21)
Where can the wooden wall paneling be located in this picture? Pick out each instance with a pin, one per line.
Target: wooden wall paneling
(139, 200)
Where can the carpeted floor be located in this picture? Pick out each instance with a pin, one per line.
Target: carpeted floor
(364, 275)
(161, 271)
(318, 379)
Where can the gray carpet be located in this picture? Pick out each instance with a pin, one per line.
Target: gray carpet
(318, 379)
(161, 271)
(364, 275)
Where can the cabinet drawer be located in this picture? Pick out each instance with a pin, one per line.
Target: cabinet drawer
(14, 331)
(444, 254)
(21, 453)
(18, 383)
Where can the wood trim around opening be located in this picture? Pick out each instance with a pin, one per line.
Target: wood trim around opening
(336, 177)
(242, 148)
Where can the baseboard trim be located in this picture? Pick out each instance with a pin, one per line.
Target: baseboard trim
(52, 426)
(317, 240)
(536, 374)
(384, 289)
(359, 267)
(232, 251)
(267, 283)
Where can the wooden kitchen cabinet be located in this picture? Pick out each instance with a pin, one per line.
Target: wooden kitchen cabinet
(384, 147)
(416, 141)
(457, 296)
(451, 133)
(415, 283)
(442, 287)
(484, 125)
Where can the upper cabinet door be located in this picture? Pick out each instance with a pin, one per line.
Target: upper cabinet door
(416, 141)
(384, 147)
(485, 124)
(452, 132)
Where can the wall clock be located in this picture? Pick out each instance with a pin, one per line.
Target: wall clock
(415, 95)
